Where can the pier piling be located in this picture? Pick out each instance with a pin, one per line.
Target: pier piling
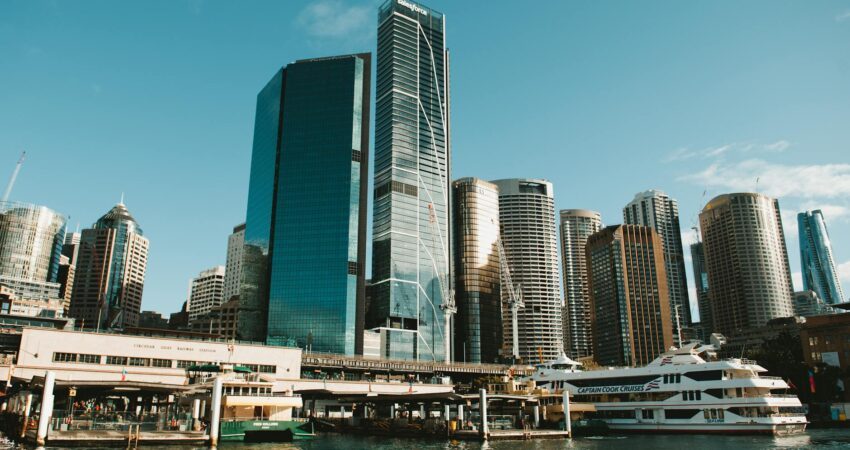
(215, 413)
(46, 408)
(27, 409)
(482, 407)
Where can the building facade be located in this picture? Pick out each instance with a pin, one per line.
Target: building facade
(478, 322)
(658, 210)
(110, 273)
(233, 265)
(826, 340)
(706, 326)
(816, 260)
(527, 224)
(808, 303)
(411, 261)
(31, 239)
(628, 287)
(206, 291)
(68, 267)
(303, 274)
(577, 225)
(746, 260)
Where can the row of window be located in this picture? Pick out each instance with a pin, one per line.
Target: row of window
(132, 361)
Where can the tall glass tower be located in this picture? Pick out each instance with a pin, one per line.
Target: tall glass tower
(816, 259)
(410, 258)
(303, 277)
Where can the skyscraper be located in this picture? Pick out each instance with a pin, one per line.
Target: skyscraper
(68, 267)
(410, 257)
(747, 262)
(527, 222)
(303, 277)
(701, 282)
(476, 232)
(233, 264)
(110, 275)
(576, 226)
(628, 286)
(206, 291)
(31, 238)
(656, 209)
(816, 258)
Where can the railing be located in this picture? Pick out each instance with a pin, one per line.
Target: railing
(766, 377)
(119, 421)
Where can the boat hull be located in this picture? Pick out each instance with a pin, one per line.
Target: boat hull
(778, 429)
(266, 430)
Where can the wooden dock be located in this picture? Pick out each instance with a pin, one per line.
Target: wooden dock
(113, 438)
(506, 435)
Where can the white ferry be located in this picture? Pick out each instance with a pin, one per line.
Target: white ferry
(680, 392)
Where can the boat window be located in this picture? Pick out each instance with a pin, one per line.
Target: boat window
(699, 395)
(666, 378)
(648, 414)
(678, 377)
(680, 413)
(705, 375)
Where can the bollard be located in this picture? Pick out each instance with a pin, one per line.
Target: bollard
(27, 409)
(482, 407)
(215, 412)
(46, 408)
(196, 411)
(568, 425)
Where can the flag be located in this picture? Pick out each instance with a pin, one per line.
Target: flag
(124, 374)
(812, 381)
(791, 384)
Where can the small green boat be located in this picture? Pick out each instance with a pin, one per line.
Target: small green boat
(266, 430)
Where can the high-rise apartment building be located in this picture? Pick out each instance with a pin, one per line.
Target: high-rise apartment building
(701, 281)
(411, 268)
(478, 336)
(110, 275)
(747, 262)
(628, 286)
(303, 277)
(816, 260)
(68, 267)
(527, 222)
(656, 209)
(31, 239)
(206, 291)
(233, 264)
(577, 225)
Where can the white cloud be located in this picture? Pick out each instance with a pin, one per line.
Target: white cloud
(841, 17)
(689, 236)
(335, 19)
(832, 213)
(776, 180)
(844, 275)
(685, 153)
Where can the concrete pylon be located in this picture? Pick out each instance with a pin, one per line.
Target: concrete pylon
(482, 398)
(46, 408)
(215, 413)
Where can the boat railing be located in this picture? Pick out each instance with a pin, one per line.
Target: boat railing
(742, 361)
(260, 418)
(766, 377)
(63, 420)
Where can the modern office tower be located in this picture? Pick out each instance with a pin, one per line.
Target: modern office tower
(411, 268)
(68, 267)
(31, 238)
(576, 226)
(303, 277)
(110, 274)
(816, 260)
(233, 265)
(628, 288)
(747, 263)
(656, 209)
(527, 222)
(206, 291)
(701, 282)
(478, 336)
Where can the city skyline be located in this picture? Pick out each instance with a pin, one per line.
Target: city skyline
(734, 155)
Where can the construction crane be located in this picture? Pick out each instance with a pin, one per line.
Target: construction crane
(447, 304)
(14, 175)
(514, 295)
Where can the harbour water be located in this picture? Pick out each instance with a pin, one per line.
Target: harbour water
(813, 439)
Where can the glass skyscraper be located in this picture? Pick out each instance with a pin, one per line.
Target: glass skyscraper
(303, 277)
(706, 324)
(816, 260)
(410, 258)
(31, 239)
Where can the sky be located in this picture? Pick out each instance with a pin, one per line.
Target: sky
(156, 100)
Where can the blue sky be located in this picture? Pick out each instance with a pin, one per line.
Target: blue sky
(156, 99)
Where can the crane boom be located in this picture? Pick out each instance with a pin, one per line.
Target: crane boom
(514, 294)
(11, 184)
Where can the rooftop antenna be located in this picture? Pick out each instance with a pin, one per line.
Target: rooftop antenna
(122, 199)
(757, 185)
(14, 175)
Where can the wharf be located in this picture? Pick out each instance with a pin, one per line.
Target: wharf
(513, 434)
(114, 438)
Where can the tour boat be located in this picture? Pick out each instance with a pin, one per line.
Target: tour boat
(680, 392)
(251, 411)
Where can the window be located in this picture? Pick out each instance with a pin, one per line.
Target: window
(185, 364)
(268, 369)
(138, 362)
(89, 359)
(64, 357)
(680, 413)
(116, 360)
(161, 363)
